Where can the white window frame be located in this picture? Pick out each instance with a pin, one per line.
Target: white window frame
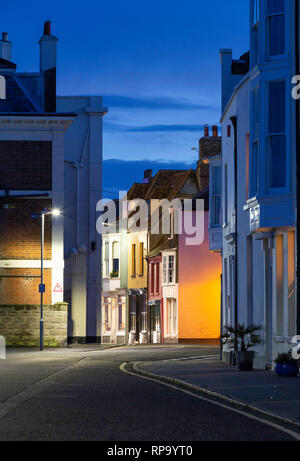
(107, 305)
(106, 258)
(121, 303)
(166, 269)
(214, 195)
(283, 13)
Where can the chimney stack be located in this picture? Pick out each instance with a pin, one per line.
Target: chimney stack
(48, 48)
(48, 45)
(147, 176)
(5, 47)
(215, 131)
(206, 131)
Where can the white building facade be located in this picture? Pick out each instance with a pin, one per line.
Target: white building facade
(258, 165)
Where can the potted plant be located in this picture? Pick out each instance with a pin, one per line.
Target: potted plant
(241, 339)
(114, 274)
(286, 365)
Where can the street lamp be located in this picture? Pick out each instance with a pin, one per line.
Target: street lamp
(42, 285)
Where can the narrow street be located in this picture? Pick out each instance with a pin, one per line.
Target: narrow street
(81, 394)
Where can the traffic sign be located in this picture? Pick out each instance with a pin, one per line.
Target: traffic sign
(57, 288)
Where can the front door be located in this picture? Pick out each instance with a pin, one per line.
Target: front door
(155, 323)
(138, 317)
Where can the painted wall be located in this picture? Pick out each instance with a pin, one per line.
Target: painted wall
(139, 281)
(83, 189)
(199, 295)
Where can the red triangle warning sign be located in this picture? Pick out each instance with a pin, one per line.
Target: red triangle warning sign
(57, 288)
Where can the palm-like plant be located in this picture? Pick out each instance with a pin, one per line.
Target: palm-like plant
(242, 338)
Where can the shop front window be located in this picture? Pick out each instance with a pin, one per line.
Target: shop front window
(107, 304)
(121, 312)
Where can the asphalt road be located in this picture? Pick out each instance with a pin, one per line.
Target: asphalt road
(83, 395)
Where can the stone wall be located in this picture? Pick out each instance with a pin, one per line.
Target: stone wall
(20, 325)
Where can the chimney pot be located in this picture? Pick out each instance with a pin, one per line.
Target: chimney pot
(5, 47)
(206, 131)
(147, 174)
(215, 131)
(47, 27)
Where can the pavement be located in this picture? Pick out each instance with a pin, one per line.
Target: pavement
(264, 390)
(87, 393)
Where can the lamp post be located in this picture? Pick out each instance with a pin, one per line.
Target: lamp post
(42, 285)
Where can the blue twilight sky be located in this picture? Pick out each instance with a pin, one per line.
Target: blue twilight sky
(156, 62)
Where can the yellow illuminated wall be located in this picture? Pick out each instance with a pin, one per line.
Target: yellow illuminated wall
(137, 270)
(199, 290)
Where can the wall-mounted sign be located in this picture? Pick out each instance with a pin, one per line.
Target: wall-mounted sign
(57, 288)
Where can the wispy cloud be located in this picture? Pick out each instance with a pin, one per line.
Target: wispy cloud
(158, 103)
(121, 174)
(152, 128)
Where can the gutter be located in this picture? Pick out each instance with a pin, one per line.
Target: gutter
(234, 123)
(297, 104)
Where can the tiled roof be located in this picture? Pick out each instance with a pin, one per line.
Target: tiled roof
(168, 183)
(16, 100)
(138, 190)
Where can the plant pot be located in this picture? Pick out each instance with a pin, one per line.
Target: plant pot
(245, 360)
(286, 369)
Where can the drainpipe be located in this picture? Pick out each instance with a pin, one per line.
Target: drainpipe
(297, 106)
(234, 123)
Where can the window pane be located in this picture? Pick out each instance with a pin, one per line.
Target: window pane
(275, 6)
(277, 107)
(276, 35)
(115, 250)
(116, 266)
(217, 210)
(106, 250)
(277, 161)
(254, 169)
(217, 180)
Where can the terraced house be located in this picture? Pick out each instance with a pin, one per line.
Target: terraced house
(259, 136)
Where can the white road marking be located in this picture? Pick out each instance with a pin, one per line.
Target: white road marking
(227, 407)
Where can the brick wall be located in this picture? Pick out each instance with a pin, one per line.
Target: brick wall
(20, 235)
(20, 324)
(23, 290)
(26, 165)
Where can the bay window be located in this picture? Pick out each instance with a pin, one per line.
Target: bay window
(254, 142)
